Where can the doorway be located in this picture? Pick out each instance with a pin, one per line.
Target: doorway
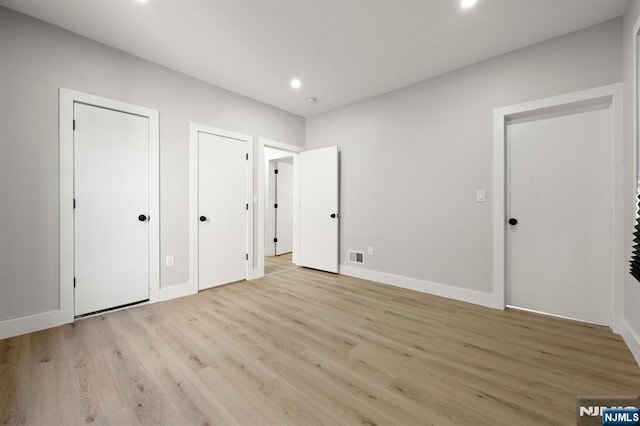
(278, 211)
(557, 211)
(315, 234)
(109, 204)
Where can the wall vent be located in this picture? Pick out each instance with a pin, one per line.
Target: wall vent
(356, 256)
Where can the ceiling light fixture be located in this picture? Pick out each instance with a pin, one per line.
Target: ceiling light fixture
(466, 4)
(295, 83)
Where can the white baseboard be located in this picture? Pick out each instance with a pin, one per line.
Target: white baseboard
(443, 290)
(631, 338)
(175, 291)
(23, 325)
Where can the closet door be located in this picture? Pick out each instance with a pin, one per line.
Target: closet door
(222, 210)
(111, 215)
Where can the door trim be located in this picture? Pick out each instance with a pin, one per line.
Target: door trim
(66, 161)
(194, 129)
(258, 270)
(611, 94)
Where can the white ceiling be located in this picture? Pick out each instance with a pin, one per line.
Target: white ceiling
(342, 50)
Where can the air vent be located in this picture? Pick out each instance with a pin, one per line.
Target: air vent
(356, 256)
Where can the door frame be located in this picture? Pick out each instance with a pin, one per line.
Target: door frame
(263, 143)
(611, 94)
(67, 98)
(194, 260)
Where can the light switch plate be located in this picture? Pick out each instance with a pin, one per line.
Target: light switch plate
(481, 196)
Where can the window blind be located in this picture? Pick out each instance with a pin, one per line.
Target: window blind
(635, 254)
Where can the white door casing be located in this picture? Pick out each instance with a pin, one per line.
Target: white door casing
(67, 239)
(610, 94)
(319, 209)
(111, 163)
(558, 189)
(220, 186)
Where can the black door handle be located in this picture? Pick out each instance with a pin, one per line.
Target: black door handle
(333, 215)
(513, 221)
(142, 218)
(203, 218)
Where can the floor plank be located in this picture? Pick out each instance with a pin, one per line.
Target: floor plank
(276, 264)
(303, 347)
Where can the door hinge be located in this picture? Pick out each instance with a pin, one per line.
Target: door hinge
(246, 156)
(247, 206)
(246, 256)
(275, 206)
(275, 172)
(74, 124)
(275, 240)
(74, 282)
(74, 203)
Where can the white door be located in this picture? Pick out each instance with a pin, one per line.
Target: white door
(319, 209)
(222, 210)
(111, 191)
(270, 211)
(559, 190)
(284, 211)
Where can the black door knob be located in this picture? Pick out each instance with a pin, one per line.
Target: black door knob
(203, 218)
(142, 218)
(333, 215)
(513, 221)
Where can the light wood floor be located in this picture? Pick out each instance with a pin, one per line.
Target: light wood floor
(276, 264)
(303, 347)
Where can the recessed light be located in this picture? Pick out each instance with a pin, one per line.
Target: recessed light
(466, 4)
(295, 83)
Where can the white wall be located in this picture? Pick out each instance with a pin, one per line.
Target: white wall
(631, 286)
(413, 159)
(35, 60)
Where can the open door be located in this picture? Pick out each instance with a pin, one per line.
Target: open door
(319, 209)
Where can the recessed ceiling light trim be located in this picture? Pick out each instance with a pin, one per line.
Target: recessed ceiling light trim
(467, 4)
(295, 83)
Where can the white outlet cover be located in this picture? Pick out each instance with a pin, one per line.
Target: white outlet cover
(170, 261)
